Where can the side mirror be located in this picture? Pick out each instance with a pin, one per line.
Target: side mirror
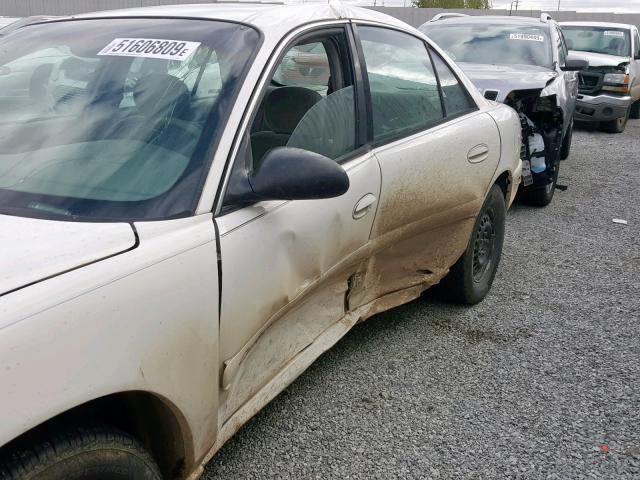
(287, 173)
(574, 65)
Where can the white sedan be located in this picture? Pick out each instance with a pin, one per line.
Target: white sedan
(198, 201)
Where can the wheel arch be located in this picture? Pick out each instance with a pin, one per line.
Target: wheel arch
(150, 418)
(505, 182)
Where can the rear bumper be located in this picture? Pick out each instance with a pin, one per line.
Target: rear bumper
(601, 108)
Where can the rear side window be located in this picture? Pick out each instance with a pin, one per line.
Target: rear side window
(454, 96)
(404, 88)
(636, 48)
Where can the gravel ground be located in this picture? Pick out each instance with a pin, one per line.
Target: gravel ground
(541, 380)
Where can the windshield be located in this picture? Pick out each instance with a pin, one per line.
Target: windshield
(493, 44)
(607, 40)
(114, 119)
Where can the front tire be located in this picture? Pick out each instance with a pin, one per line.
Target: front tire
(616, 126)
(635, 110)
(93, 453)
(470, 279)
(566, 143)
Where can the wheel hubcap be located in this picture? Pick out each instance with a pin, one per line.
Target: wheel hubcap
(483, 246)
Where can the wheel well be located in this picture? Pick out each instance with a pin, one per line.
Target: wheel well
(147, 417)
(504, 182)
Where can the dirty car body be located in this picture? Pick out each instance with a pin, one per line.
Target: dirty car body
(154, 276)
(520, 62)
(609, 89)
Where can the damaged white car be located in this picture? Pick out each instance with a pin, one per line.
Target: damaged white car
(609, 90)
(198, 201)
(524, 63)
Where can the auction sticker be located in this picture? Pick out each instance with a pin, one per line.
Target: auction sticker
(527, 36)
(613, 33)
(150, 48)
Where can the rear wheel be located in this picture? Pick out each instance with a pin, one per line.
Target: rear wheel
(471, 277)
(616, 126)
(635, 110)
(95, 453)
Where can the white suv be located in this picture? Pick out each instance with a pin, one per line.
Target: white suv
(609, 89)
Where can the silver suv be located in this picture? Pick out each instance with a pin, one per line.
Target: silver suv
(524, 63)
(609, 90)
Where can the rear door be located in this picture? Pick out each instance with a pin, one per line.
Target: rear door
(286, 265)
(437, 152)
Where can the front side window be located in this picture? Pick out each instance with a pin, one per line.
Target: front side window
(403, 85)
(493, 44)
(607, 40)
(637, 45)
(309, 102)
(112, 119)
(454, 95)
(562, 49)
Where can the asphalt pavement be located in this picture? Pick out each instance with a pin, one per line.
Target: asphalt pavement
(539, 381)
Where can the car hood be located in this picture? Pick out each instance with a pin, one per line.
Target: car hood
(34, 249)
(599, 59)
(507, 78)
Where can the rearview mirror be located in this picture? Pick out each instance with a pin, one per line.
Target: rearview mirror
(287, 173)
(574, 65)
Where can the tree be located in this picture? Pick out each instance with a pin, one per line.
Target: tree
(481, 4)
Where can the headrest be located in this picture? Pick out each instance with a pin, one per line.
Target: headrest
(160, 95)
(285, 107)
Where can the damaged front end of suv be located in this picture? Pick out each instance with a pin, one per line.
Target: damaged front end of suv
(542, 121)
(545, 103)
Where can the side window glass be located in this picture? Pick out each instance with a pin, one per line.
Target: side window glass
(562, 49)
(637, 45)
(404, 89)
(310, 103)
(454, 95)
(305, 66)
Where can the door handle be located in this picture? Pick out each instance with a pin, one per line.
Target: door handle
(478, 153)
(363, 206)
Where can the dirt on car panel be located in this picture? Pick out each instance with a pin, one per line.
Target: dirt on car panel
(415, 255)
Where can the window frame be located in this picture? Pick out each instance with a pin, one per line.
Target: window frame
(238, 152)
(474, 106)
(414, 131)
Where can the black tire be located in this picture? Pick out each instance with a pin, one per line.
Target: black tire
(616, 126)
(94, 453)
(541, 197)
(470, 279)
(635, 111)
(565, 151)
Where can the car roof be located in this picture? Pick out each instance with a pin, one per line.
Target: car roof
(491, 19)
(597, 24)
(501, 19)
(265, 16)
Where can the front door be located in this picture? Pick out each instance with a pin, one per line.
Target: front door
(286, 264)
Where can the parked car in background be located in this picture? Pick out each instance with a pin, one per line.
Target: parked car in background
(193, 209)
(524, 63)
(609, 90)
